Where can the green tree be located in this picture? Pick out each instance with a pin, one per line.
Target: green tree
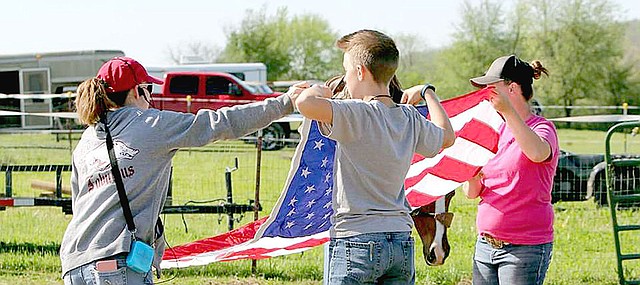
(292, 48)
(581, 44)
(416, 60)
(312, 50)
(260, 38)
(484, 34)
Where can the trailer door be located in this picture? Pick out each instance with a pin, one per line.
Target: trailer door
(10, 82)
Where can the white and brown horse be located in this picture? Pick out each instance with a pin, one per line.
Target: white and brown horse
(431, 222)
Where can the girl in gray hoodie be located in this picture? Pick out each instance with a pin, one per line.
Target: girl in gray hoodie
(145, 140)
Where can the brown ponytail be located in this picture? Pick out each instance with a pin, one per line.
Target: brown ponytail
(536, 72)
(92, 101)
(538, 69)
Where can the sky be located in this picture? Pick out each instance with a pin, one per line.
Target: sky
(146, 30)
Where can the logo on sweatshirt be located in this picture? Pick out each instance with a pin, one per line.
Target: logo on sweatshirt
(98, 159)
(99, 166)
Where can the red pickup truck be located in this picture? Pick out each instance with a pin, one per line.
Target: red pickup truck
(192, 91)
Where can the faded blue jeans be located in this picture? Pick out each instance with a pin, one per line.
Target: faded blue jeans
(512, 264)
(374, 258)
(87, 274)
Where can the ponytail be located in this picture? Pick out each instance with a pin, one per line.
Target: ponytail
(92, 101)
(537, 71)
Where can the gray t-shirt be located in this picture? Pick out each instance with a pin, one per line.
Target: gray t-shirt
(145, 141)
(375, 146)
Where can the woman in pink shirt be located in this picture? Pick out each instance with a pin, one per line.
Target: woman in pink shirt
(515, 215)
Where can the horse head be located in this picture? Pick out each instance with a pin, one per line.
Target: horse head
(431, 222)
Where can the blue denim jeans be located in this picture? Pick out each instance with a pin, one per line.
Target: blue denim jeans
(87, 274)
(375, 258)
(512, 264)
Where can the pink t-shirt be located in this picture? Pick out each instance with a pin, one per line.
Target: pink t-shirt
(515, 203)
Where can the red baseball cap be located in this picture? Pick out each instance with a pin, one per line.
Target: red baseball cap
(124, 73)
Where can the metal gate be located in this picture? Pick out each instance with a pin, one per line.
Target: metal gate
(623, 191)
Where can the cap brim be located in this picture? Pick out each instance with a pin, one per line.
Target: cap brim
(153, 79)
(483, 81)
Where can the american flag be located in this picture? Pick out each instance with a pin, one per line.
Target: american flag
(300, 219)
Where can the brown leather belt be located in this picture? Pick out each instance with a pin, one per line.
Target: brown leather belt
(494, 242)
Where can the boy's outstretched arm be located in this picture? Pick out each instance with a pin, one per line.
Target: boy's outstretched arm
(438, 116)
(313, 103)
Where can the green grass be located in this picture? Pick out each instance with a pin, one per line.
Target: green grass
(30, 237)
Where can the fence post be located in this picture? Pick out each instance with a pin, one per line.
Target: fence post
(625, 107)
(8, 183)
(256, 202)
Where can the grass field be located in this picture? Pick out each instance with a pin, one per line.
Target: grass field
(30, 237)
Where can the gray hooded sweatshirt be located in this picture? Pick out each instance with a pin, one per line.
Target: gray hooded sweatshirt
(145, 141)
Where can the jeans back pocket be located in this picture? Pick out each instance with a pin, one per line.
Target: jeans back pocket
(116, 277)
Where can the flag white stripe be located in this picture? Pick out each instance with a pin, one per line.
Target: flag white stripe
(434, 186)
(482, 112)
(462, 150)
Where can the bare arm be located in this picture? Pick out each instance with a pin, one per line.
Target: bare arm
(440, 118)
(313, 103)
(533, 146)
(473, 187)
(436, 111)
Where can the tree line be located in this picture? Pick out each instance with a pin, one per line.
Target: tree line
(581, 42)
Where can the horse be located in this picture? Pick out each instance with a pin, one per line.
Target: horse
(431, 222)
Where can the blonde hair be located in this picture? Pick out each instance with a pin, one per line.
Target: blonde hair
(92, 101)
(374, 50)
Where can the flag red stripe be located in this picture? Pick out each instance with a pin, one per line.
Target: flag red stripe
(234, 237)
(462, 171)
(6, 202)
(416, 158)
(443, 169)
(457, 105)
(481, 134)
(417, 199)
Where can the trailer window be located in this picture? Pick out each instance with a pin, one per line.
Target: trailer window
(35, 81)
(184, 84)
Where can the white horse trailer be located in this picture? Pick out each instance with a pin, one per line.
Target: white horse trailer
(25, 77)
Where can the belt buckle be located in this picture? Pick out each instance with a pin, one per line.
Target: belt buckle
(494, 242)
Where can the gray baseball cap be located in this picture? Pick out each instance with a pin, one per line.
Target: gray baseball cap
(506, 67)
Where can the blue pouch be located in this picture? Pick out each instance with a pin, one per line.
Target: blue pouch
(140, 257)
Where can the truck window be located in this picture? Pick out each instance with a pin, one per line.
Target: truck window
(219, 85)
(184, 84)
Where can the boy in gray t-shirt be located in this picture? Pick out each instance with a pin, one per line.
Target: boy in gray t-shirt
(371, 233)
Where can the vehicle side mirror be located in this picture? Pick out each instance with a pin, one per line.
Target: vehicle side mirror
(234, 90)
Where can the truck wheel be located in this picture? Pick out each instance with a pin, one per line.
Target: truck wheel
(272, 137)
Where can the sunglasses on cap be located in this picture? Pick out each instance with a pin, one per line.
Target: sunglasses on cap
(147, 86)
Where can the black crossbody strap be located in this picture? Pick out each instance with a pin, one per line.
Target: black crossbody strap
(124, 201)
